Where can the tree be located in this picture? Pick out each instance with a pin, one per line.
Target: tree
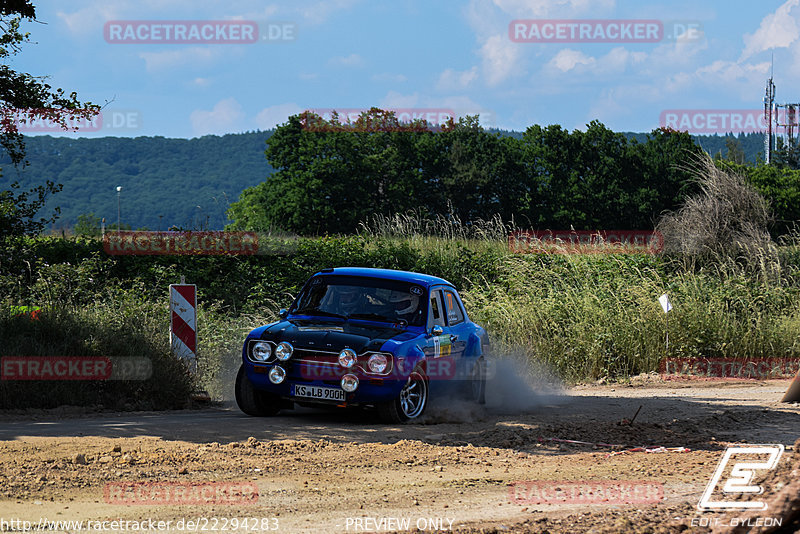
(550, 154)
(735, 151)
(664, 176)
(25, 98)
(88, 224)
(473, 172)
(787, 154)
(331, 176)
(781, 186)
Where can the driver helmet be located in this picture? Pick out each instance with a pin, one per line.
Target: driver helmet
(348, 297)
(404, 303)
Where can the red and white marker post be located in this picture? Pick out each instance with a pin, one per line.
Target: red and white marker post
(183, 323)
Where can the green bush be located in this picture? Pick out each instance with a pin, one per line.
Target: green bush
(118, 326)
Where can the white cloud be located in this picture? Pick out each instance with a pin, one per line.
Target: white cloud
(322, 11)
(227, 116)
(499, 59)
(179, 57)
(619, 58)
(729, 72)
(453, 79)
(87, 20)
(389, 77)
(393, 99)
(201, 82)
(273, 116)
(777, 30)
(261, 14)
(353, 60)
(616, 61)
(567, 59)
(561, 8)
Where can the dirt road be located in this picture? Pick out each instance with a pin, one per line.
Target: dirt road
(216, 470)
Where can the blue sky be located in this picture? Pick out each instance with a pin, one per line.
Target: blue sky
(413, 54)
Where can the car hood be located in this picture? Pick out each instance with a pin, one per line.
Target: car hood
(333, 337)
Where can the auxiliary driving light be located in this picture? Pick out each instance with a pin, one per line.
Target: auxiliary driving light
(262, 351)
(347, 359)
(377, 363)
(284, 351)
(277, 375)
(349, 383)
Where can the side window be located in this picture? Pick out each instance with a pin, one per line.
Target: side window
(437, 312)
(454, 313)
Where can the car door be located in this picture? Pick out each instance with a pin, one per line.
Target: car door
(443, 349)
(459, 329)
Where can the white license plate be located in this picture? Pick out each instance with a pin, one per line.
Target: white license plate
(317, 392)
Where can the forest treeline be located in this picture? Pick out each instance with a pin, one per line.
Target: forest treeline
(330, 177)
(192, 183)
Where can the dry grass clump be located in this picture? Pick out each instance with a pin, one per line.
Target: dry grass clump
(414, 224)
(726, 222)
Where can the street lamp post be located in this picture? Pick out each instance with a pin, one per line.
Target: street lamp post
(119, 227)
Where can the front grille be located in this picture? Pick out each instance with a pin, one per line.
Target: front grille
(316, 357)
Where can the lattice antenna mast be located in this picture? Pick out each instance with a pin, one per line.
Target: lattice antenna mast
(769, 109)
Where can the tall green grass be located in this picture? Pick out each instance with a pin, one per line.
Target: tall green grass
(583, 316)
(594, 316)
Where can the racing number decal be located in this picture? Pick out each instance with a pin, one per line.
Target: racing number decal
(451, 313)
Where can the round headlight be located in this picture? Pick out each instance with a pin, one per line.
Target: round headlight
(284, 351)
(347, 358)
(349, 383)
(277, 375)
(377, 363)
(262, 351)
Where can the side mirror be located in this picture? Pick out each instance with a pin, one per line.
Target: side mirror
(283, 313)
(437, 330)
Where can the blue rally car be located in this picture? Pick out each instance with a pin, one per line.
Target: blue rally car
(364, 337)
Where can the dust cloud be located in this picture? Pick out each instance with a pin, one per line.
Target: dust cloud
(514, 385)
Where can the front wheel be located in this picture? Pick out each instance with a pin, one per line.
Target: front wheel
(411, 402)
(254, 402)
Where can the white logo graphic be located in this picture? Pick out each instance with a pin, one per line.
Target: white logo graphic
(740, 478)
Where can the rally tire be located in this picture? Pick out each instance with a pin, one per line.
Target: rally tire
(254, 402)
(410, 404)
(477, 382)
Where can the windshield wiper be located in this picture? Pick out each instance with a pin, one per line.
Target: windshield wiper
(315, 311)
(375, 316)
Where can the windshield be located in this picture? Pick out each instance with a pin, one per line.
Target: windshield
(350, 297)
